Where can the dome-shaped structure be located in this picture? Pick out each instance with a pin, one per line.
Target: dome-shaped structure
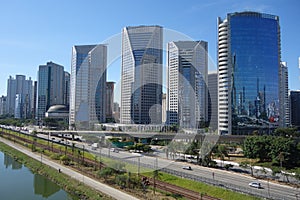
(58, 109)
(58, 112)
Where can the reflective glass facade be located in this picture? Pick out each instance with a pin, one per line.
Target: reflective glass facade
(253, 47)
(88, 86)
(50, 87)
(141, 95)
(186, 82)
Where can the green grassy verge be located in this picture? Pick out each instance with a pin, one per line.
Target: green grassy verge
(202, 188)
(76, 189)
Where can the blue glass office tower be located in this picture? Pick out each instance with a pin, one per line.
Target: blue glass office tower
(248, 73)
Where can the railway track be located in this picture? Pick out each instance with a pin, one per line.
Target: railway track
(189, 194)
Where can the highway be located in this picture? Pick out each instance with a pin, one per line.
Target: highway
(226, 179)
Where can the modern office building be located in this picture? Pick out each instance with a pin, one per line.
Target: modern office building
(141, 77)
(295, 108)
(284, 119)
(34, 106)
(67, 89)
(187, 97)
(50, 88)
(116, 112)
(3, 105)
(24, 89)
(88, 86)
(212, 83)
(249, 56)
(109, 100)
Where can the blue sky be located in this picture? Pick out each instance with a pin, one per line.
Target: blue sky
(35, 32)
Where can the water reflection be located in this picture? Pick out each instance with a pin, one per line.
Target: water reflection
(44, 187)
(18, 182)
(10, 161)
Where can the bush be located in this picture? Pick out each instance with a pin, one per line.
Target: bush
(66, 160)
(55, 156)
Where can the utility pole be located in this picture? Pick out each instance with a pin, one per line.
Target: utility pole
(138, 166)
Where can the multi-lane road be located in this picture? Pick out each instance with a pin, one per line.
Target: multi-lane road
(227, 179)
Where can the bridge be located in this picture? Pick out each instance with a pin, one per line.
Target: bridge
(187, 136)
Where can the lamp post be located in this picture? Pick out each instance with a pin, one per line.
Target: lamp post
(268, 189)
(100, 165)
(82, 154)
(139, 166)
(41, 156)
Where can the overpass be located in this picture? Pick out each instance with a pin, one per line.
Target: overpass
(188, 136)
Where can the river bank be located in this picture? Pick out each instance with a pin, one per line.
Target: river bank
(77, 189)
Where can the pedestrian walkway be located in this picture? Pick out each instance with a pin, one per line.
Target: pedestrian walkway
(103, 188)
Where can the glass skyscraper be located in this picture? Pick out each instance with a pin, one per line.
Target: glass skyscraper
(141, 87)
(88, 86)
(249, 58)
(186, 78)
(295, 108)
(50, 87)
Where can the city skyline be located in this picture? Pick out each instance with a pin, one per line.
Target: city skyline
(18, 47)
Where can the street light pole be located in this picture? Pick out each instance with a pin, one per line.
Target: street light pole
(268, 189)
(41, 156)
(138, 166)
(82, 154)
(100, 158)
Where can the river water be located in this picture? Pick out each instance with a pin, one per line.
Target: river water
(18, 183)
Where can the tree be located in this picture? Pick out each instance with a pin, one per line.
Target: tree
(287, 132)
(105, 172)
(272, 148)
(121, 180)
(257, 147)
(34, 133)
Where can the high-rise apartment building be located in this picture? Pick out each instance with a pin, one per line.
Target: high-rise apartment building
(212, 83)
(3, 105)
(20, 106)
(88, 86)
(295, 108)
(186, 82)
(50, 87)
(249, 58)
(141, 78)
(284, 119)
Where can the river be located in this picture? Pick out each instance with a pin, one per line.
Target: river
(17, 182)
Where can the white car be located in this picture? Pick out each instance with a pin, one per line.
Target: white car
(255, 184)
(187, 168)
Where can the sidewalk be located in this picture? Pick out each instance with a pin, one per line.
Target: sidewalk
(103, 188)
